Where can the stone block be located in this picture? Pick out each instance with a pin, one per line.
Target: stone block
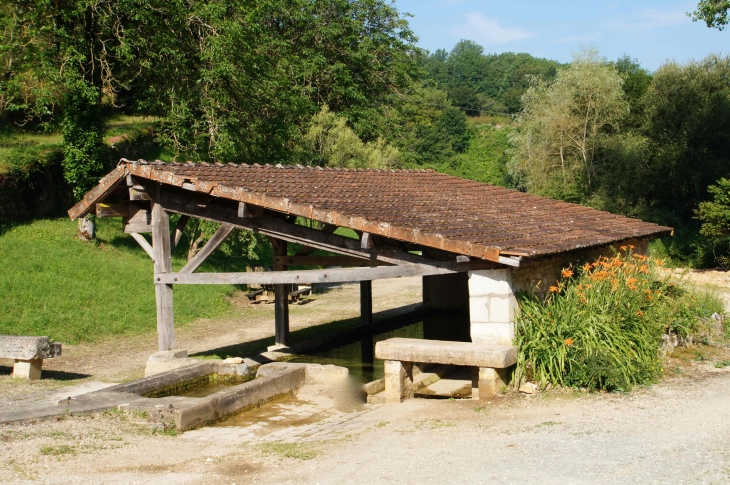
(492, 308)
(445, 352)
(28, 369)
(490, 282)
(167, 360)
(487, 382)
(398, 381)
(493, 333)
(28, 348)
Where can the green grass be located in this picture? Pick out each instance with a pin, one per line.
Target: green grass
(298, 451)
(22, 151)
(56, 285)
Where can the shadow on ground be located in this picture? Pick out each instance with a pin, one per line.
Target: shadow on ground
(56, 375)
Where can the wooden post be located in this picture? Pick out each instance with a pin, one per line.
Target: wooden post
(163, 292)
(366, 302)
(281, 298)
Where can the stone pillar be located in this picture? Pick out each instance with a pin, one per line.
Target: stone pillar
(28, 369)
(398, 381)
(492, 306)
(487, 382)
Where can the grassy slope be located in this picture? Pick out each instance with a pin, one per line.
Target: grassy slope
(22, 151)
(53, 284)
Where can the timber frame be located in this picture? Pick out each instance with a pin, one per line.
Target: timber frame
(456, 225)
(145, 206)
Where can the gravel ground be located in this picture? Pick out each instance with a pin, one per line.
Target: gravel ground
(674, 432)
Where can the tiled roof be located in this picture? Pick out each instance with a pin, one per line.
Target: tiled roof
(419, 206)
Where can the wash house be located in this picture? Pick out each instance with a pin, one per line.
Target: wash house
(474, 244)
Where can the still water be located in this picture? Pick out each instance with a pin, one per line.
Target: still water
(358, 356)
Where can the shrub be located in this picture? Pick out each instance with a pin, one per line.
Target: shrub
(600, 326)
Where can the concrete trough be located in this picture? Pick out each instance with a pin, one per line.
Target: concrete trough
(183, 412)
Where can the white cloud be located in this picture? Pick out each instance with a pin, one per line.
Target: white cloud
(647, 19)
(487, 31)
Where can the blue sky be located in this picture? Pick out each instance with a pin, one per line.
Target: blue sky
(651, 31)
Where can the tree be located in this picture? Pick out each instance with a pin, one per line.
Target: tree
(715, 217)
(687, 127)
(330, 142)
(563, 127)
(712, 12)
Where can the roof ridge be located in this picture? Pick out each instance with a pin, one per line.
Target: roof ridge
(190, 163)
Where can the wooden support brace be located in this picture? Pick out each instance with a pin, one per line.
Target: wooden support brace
(366, 302)
(216, 240)
(145, 245)
(178, 232)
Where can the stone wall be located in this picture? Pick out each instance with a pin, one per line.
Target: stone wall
(546, 271)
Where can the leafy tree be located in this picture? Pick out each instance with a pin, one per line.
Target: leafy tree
(330, 142)
(712, 12)
(687, 126)
(564, 125)
(715, 217)
(636, 83)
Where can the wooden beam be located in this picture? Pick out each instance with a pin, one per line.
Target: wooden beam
(366, 302)
(249, 210)
(114, 209)
(281, 298)
(163, 265)
(333, 275)
(220, 235)
(178, 232)
(277, 228)
(326, 261)
(145, 245)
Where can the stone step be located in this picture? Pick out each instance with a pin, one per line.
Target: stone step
(457, 385)
(421, 381)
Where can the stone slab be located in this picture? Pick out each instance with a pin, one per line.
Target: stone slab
(492, 308)
(444, 352)
(492, 333)
(28, 369)
(490, 282)
(28, 348)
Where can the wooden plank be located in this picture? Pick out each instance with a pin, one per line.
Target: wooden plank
(163, 265)
(178, 232)
(334, 275)
(139, 220)
(216, 240)
(145, 245)
(326, 261)
(116, 209)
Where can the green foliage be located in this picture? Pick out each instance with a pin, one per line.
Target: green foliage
(330, 142)
(54, 284)
(712, 12)
(564, 125)
(715, 217)
(485, 159)
(83, 138)
(601, 328)
(491, 82)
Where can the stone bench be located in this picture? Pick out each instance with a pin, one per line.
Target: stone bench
(28, 353)
(490, 364)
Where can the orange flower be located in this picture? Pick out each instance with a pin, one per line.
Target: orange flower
(623, 248)
(587, 267)
(631, 283)
(631, 246)
(568, 342)
(644, 268)
(554, 289)
(567, 273)
(640, 313)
